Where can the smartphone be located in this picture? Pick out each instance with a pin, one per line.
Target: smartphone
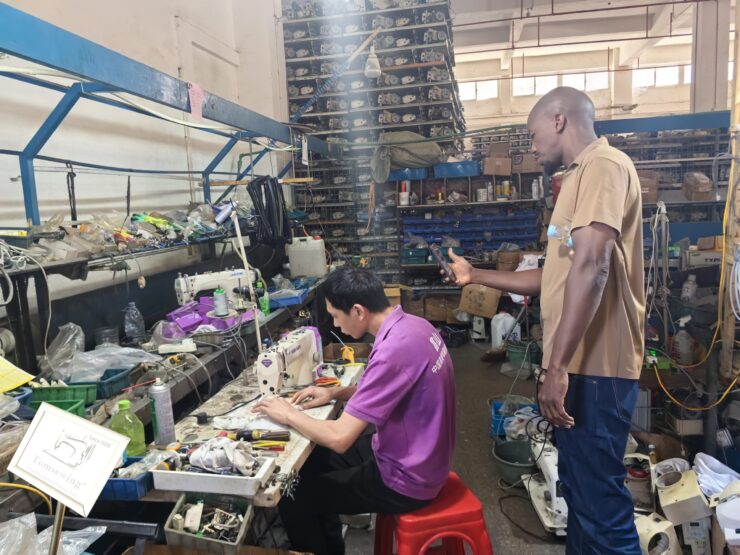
(439, 257)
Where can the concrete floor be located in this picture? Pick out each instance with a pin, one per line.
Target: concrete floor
(477, 382)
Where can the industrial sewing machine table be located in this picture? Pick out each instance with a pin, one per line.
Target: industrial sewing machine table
(289, 462)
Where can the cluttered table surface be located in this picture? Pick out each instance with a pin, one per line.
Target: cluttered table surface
(233, 405)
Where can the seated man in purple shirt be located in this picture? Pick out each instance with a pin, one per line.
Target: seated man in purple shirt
(407, 392)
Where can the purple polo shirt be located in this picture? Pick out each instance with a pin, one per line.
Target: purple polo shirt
(408, 392)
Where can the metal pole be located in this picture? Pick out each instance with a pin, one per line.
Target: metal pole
(56, 534)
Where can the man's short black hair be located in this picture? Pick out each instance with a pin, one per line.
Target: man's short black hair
(348, 286)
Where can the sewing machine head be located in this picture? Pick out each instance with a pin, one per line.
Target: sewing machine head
(291, 362)
(187, 288)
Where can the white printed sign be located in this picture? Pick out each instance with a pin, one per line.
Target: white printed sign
(67, 457)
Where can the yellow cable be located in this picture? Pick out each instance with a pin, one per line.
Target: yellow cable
(696, 409)
(32, 490)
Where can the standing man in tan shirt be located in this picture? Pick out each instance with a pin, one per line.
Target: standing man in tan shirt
(593, 312)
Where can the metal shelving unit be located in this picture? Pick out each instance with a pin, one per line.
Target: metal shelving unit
(415, 92)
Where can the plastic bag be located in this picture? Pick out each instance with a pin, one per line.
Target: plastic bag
(8, 405)
(72, 543)
(150, 460)
(18, 537)
(90, 366)
(167, 332)
(282, 283)
(522, 425)
(69, 340)
(415, 241)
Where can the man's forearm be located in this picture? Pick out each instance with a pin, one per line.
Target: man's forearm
(527, 282)
(321, 432)
(584, 287)
(343, 393)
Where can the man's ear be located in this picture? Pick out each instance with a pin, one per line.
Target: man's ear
(560, 122)
(359, 310)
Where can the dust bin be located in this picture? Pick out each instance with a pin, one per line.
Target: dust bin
(512, 459)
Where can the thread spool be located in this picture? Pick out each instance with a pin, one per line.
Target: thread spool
(220, 303)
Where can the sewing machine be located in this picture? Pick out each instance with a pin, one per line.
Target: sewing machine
(188, 287)
(291, 362)
(544, 488)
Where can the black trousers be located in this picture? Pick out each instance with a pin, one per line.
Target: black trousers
(332, 484)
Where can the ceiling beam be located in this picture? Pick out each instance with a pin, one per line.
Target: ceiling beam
(665, 21)
(515, 32)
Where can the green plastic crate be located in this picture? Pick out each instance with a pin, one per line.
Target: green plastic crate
(75, 407)
(85, 393)
(414, 260)
(415, 252)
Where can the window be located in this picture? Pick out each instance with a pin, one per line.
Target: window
(730, 70)
(478, 90)
(686, 75)
(544, 84)
(575, 80)
(643, 78)
(597, 81)
(486, 89)
(666, 76)
(467, 90)
(522, 86)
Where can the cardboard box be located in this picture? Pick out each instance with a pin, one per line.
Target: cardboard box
(698, 187)
(452, 302)
(412, 305)
(695, 259)
(333, 351)
(649, 185)
(435, 308)
(706, 243)
(498, 150)
(480, 300)
(497, 166)
(666, 447)
(525, 163)
(393, 293)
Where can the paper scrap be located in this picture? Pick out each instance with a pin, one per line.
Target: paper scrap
(12, 377)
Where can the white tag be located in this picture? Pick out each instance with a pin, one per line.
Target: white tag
(304, 150)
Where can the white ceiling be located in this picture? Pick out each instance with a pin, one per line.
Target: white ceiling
(487, 29)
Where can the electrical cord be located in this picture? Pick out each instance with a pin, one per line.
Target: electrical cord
(205, 371)
(694, 409)
(32, 490)
(519, 526)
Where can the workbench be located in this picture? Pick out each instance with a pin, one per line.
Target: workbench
(290, 461)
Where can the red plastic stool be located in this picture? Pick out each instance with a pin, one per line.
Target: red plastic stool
(455, 517)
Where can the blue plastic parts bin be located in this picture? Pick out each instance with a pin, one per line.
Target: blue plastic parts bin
(298, 298)
(21, 394)
(468, 168)
(111, 382)
(408, 173)
(498, 420)
(128, 489)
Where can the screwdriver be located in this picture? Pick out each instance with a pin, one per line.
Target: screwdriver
(267, 435)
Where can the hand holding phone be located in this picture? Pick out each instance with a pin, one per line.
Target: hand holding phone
(439, 257)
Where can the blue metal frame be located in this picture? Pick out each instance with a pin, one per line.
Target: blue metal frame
(699, 120)
(33, 39)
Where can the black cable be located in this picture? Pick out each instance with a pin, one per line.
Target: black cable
(519, 526)
(71, 192)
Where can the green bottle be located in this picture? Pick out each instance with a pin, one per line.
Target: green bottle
(128, 424)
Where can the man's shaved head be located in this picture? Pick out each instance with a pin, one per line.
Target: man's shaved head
(561, 124)
(570, 102)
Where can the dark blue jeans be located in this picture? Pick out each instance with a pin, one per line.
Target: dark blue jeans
(591, 467)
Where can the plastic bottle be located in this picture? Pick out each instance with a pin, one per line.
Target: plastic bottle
(133, 323)
(683, 342)
(128, 424)
(535, 189)
(688, 291)
(653, 454)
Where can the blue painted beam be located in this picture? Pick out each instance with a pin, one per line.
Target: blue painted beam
(34, 146)
(699, 120)
(30, 38)
(212, 166)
